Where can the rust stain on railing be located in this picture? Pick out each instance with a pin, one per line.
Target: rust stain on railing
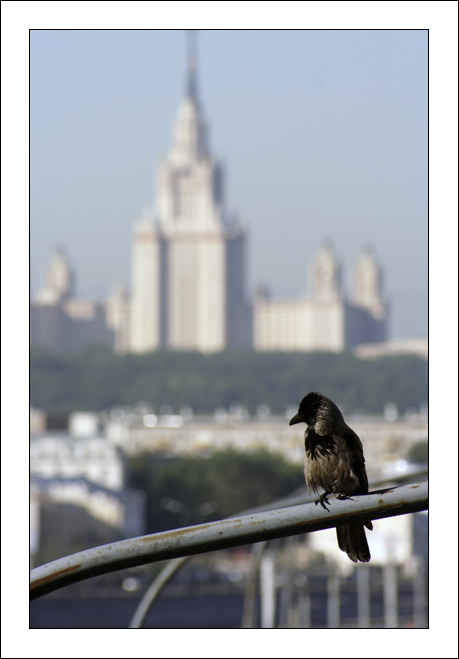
(54, 575)
(240, 530)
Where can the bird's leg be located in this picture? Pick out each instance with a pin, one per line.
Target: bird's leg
(323, 500)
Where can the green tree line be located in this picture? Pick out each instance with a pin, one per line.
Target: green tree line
(191, 490)
(98, 379)
(188, 490)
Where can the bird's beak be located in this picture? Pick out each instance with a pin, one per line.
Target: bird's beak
(295, 419)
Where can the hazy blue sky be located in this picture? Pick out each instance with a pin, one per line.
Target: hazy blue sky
(323, 134)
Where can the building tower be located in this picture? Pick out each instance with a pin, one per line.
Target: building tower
(58, 279)
(326, 275)
(189, 259)
(368, 285)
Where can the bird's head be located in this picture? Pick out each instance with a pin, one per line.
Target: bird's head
(309, 409)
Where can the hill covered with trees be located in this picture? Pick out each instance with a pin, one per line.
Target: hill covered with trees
(97, 379)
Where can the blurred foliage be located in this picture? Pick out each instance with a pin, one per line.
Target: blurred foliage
(98, 379)
(205, 489)
(419, 453)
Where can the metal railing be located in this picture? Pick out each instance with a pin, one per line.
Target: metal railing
(300, 496)
(240, 530)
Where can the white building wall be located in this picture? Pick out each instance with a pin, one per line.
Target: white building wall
(197, 299)
(302, 325)
(95, 459)
(212, 295)
(183, 277)
(146, 302)
(280, 325)
(325, 326)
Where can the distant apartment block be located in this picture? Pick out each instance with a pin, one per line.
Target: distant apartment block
(62, 456)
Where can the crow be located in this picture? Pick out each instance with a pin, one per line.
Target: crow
(334, 462)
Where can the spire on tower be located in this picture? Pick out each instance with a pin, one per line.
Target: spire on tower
(191, 80)
(190, 129)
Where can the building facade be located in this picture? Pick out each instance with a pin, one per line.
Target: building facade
(189, 256)
(60, 321)
(188, 288)
(325, 319)
(93, 458)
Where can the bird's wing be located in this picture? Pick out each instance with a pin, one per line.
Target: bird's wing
(357, 459)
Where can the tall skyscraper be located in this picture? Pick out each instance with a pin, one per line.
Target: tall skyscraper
(189, 258)
(189, 273)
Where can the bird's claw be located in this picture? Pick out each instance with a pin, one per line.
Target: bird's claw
(343, 497)
(323, 500)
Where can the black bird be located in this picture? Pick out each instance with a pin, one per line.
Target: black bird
(334, 462)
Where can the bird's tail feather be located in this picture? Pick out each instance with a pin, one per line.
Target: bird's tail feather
(353, 541)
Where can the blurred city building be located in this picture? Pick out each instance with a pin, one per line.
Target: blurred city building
(78, 497)
(71, 514)
(189, 274)
(76, 450)
(385, 440)
(60, 321)
(92, 445)
(325, 319)
(189, 268)
(63, 456)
